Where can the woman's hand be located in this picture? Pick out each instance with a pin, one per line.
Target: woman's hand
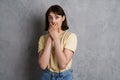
(54, 31)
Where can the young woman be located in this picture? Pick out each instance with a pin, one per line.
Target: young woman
(57, 47)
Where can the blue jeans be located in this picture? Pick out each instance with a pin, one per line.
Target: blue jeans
(65, 75)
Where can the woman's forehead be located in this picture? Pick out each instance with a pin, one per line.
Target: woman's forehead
(53, 14)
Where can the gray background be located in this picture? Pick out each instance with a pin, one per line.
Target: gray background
(96, 23)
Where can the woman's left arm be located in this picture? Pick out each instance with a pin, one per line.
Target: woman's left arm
(63, 57)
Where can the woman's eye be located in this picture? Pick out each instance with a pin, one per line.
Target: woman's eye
(56, 17)
(50, 17)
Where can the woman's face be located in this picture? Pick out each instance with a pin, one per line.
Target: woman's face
(56, 19)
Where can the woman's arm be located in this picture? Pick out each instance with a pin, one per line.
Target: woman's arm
(44, 54)
(63, 57)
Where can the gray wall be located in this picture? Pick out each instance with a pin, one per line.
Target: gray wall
(96, 23)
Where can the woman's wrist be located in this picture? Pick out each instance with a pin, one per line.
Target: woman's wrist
(57, 40)
(49, 40)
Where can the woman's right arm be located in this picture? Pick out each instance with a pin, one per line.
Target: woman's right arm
(44, 54)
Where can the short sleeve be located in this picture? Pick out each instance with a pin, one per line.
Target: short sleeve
(41, 43)
(71, 42)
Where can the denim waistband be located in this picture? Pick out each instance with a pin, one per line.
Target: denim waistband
(60, 73)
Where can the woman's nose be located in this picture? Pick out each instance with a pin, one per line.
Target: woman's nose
(53, 20)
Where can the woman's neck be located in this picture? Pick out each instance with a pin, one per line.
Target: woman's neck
(61, 32)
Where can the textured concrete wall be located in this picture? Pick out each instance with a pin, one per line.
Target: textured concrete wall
(96, 23)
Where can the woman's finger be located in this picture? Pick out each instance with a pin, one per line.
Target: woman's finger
(58, 30)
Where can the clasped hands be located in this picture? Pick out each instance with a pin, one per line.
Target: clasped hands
(54, 31)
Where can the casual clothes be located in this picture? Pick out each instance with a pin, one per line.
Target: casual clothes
(65, 75)
(68, 40)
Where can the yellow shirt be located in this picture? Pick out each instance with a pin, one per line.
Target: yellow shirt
(68, 41)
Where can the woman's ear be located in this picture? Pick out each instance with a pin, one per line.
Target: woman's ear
(63, 18)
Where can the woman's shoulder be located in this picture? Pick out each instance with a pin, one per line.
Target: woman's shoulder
(71, 33)
(44, 36)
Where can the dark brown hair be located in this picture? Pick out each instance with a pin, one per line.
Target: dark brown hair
(57, 10)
